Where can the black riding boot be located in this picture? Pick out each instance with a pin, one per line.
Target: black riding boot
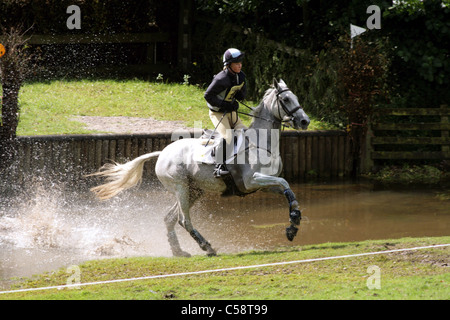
(221, 168)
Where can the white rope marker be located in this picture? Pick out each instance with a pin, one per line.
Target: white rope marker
(77, 285)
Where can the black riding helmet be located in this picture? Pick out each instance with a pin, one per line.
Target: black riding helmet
(232, 55)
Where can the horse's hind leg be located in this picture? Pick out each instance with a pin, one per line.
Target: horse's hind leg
(186, 198)
(171, 220)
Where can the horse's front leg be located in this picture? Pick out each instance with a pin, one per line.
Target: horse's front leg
(294, 212)
(295, 215)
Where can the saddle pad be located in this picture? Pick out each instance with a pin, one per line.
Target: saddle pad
(204, 153)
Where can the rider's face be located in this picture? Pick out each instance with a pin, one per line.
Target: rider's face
(236, 67)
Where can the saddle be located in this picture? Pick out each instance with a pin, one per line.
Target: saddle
(211, 148)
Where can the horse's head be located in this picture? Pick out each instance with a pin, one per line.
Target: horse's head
(288, 109)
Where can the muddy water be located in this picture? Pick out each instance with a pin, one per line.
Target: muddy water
(51, 229)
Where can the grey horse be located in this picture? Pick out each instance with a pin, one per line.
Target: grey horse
(256, 165)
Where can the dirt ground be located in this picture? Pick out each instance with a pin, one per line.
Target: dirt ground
(128, 124)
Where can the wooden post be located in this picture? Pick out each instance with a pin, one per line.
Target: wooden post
(444, 134)
(366, 152)
(184, 33)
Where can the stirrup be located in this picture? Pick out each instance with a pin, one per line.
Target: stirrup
(220, 171)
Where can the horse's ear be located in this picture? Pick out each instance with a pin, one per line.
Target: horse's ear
(275, 84)
(282, 82)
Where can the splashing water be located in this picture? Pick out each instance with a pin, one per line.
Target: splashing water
(34, 224)
(52, 229)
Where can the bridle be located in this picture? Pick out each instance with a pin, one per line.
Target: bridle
(289, 113)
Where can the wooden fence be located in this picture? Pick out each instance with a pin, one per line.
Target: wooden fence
(423, 134)
(307, 154)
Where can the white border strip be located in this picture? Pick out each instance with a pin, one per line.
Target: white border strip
(77, 285)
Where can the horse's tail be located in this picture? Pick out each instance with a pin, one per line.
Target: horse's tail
(121, 176)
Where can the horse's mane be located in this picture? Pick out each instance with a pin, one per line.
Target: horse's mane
(267, 98)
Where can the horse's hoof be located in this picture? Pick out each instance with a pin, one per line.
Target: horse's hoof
(211, 253)
(295, 216)
(291, 232)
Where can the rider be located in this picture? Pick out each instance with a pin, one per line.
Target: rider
(226, 88)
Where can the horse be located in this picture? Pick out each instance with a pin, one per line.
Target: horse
(188, 179)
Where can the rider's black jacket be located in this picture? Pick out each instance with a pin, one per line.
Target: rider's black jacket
(224, 89)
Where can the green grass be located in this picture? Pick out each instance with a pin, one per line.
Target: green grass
(410, 174)
(47, 108)
(421, 274)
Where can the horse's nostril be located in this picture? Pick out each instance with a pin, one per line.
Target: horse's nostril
(304, 122)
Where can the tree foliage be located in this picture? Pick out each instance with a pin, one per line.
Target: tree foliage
(419, 33)
(361, 75)
(416, 35)
(107, 16)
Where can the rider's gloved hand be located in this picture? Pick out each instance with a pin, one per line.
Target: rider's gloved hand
(229, 106)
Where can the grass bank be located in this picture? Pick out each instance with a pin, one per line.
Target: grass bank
(420, 175)
(421, 274)
(47, 108)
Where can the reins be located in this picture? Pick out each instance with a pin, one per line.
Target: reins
(268, 120)
(252, 115)
(288, 112)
